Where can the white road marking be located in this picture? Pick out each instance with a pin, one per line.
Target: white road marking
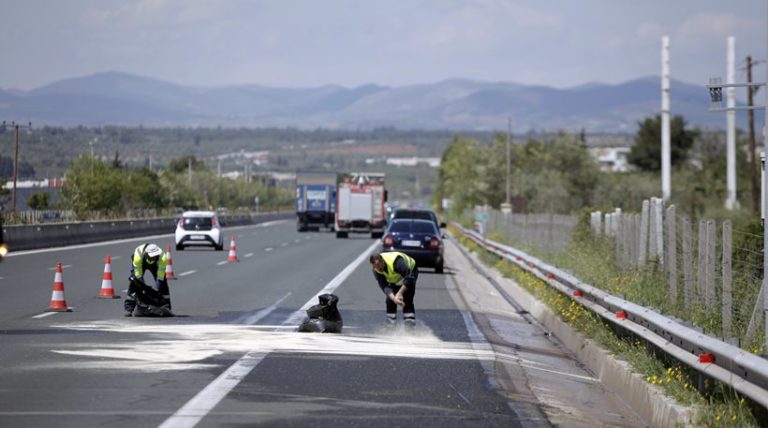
(202, 403)
(222, 262)
(248, 255)
(189, 272)
(44, 314)
(62, 266)
(284, 244)
(117, 257)
(297, 240)
(268, 249)
(258, 316)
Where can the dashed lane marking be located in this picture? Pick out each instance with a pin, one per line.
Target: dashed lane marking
(62, 266)
(189, 272)
(44, 314)
(268, 249)
(248, 255)
(222, 263)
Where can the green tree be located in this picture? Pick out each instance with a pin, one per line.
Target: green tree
(646, 152)
(462, 164)
(39, 201)
(181, 164)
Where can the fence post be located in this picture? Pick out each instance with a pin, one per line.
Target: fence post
(701, 277)
(643, 244)
(757, 314)
(659, 237)
(727, 298)
(652, 228)
(710, 297)
(687, 262)
(671, 253)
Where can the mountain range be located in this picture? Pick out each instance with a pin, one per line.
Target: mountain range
(115, 98)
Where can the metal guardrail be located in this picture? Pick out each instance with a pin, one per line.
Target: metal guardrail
(743, 371)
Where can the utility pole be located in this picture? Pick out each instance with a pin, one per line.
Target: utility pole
(765, 200)
(730, 123)
(16, 127)
(189, 170)
(506, 207)
(666, 159)
(752, 158)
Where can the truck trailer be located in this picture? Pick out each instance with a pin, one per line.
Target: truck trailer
(315, 200)
(360, 199)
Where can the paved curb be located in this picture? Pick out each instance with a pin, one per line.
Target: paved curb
(648, 401)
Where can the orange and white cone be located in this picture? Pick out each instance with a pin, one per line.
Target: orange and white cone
(232, 257)
(169, 266)
(107, 291)
(58, 302)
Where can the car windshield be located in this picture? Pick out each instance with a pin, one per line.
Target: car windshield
(197, 223)
(421, 215)
(412, 227)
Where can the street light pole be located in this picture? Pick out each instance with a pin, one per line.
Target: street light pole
(16, 127)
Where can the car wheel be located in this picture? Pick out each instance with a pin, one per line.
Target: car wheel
(341, 234)
(439, 267)
(179, 247)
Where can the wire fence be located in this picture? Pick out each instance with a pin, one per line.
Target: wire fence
(707, 275)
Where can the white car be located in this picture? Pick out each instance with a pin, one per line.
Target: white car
(199, 228)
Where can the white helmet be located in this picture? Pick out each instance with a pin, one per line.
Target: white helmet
(153, 250)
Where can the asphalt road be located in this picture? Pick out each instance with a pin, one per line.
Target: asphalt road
(233, 357)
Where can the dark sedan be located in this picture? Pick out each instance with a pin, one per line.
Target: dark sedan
(419, 239)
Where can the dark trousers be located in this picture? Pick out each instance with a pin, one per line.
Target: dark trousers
(409, 311)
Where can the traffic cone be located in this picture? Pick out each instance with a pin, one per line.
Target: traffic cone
(232, 257)
(107, 292)
(169, 266)
(58, 302)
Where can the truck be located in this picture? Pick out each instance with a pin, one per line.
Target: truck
(315, 200)
(360, 200)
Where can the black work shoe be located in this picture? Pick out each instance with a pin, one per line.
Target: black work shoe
(409, 322)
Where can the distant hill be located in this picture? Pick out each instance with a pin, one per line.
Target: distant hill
(124, 99)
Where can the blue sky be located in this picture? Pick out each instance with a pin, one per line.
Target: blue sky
(300, 43)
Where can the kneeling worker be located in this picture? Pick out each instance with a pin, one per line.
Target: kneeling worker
(151, 258)
(396, 274)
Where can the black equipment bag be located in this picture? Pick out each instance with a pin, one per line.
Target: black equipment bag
(323, 317)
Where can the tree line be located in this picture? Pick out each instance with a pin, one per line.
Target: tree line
(95, 186)
(557, 174)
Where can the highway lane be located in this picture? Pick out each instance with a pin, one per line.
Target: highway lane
(229, 359)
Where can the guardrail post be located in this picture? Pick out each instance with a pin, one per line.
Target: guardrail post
(671, 253)
(726, 273)
(687, 262)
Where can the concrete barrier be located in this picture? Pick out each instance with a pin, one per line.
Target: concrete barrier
(24, 237)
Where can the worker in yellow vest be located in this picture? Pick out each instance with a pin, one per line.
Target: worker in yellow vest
(396, 274)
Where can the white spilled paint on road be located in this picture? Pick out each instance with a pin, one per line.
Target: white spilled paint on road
(202, 403)
(186, 347)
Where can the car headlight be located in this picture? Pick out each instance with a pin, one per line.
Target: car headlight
(3, 250)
